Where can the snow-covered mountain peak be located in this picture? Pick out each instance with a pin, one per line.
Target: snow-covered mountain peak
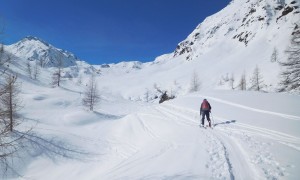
(242, 21)
(233, 41)
(34, 40)
(35, 49)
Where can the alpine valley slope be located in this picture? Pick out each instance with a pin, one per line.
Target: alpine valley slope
(256, 135)
(131, 140)
(234, 41)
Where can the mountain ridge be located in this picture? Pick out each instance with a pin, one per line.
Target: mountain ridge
(33, 48)
(242, 25)
(232, 42)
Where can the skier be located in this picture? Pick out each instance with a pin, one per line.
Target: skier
(204, 111)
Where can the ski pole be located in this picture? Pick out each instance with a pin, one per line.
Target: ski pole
(212, 118)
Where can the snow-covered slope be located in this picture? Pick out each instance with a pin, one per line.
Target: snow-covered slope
(252, 138)
(230, 43)
(256, 135)
(247, 22)
(234, 41)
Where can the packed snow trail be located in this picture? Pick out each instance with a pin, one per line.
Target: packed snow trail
(254, 151)
(183, 150)
(223, 152)
(225, 157)
(235, 150)
(165, 141)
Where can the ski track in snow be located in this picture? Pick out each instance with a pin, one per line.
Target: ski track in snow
(219, 161)
(287, 116)
(227, 150)
(282, 138)
(235, 150)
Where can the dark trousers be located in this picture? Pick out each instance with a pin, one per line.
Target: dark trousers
(205, 113)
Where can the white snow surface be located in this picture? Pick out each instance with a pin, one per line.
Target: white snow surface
(256, 135)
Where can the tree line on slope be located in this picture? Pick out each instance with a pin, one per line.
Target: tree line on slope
(256, 81)
(289, 75)
(16, 139)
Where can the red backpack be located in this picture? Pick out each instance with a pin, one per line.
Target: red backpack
(205, 105)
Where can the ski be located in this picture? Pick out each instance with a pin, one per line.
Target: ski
(201, 126)
(205, 127)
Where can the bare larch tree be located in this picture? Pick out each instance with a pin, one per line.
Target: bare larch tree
(91, 96)
(195, 82)
(9, 101)
(256, 80)
(57, 75)
(243, 83)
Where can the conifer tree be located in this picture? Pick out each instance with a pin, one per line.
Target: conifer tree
(290, 76)
(274, 56)
(257, 80)
(243, 83)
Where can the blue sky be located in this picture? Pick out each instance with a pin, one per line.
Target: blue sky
(107, 31)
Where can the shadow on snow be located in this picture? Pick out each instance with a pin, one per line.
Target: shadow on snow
(225, 122)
